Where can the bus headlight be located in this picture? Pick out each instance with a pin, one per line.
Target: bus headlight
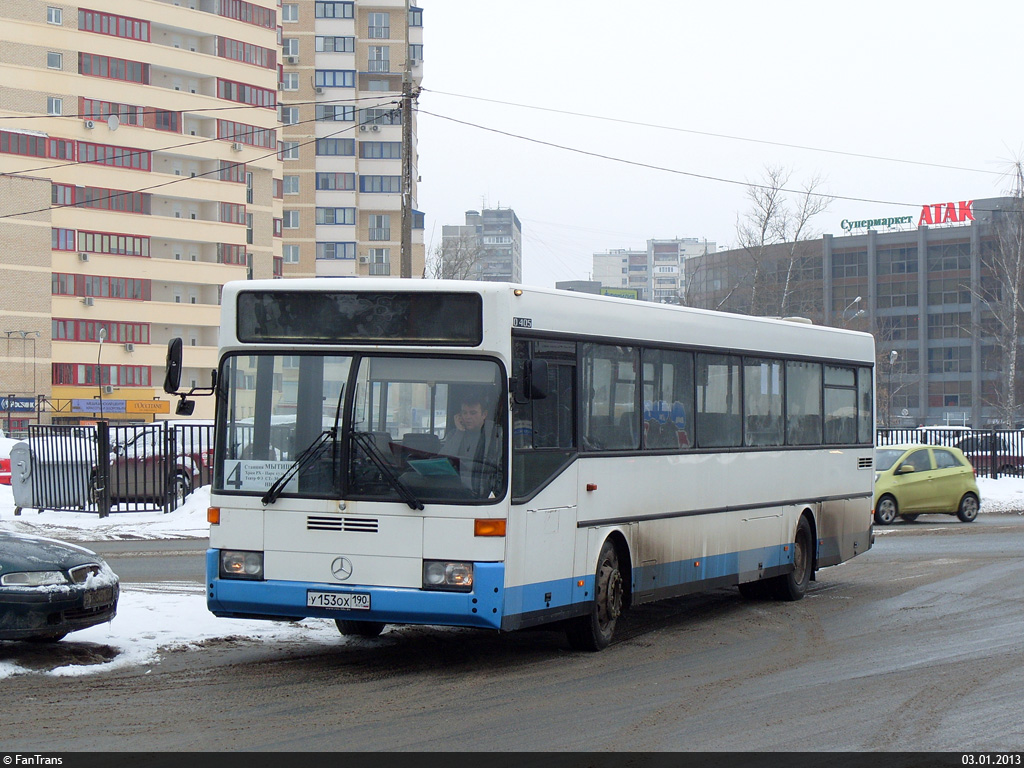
(445, 574)
(241, 565)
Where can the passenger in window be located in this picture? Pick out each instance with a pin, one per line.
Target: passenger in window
(476, 443)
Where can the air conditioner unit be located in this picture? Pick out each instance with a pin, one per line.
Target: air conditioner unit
(364, 259)
(291, 59)
(129, 347)
(374, 127)
(108, 389)
(414, 62)
(89, 124)
(88, 301)
(83, 257)
(318, 89)
(364, 127)
(236, 147)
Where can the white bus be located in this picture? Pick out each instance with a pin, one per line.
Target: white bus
(500, 456)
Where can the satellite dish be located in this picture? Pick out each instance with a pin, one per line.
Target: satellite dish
(113, 122)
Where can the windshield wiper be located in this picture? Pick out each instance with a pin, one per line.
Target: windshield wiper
(309, 454)
(365, 441)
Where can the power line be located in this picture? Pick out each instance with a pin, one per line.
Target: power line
(719, 135)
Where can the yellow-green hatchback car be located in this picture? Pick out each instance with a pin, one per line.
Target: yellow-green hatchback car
(916, 479)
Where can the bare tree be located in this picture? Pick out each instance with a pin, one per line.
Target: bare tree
(772, 233)
(454, 259)
(1001, 292)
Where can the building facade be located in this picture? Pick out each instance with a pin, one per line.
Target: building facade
(348, 145)
(656, 273)
(152, 129)
(931, 294)
(489, 246)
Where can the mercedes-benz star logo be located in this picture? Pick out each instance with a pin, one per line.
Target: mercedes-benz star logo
(341, 568)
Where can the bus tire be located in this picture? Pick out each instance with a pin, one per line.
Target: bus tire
(793, 585)
(594, 631)
(360, 628)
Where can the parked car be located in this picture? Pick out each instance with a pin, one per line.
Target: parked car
(49, 588)
(978, 449)
(142, 470)
(915, 479)
(6, 443)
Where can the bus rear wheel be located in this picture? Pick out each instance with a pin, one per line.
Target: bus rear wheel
(594, 631)
(360, 628)
(793, 585)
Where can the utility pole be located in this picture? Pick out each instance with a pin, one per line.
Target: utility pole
(407, 99)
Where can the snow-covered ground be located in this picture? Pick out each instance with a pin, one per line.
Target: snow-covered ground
(157, 617)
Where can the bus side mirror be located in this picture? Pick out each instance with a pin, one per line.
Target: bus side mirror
(535, 379)
(172, 379)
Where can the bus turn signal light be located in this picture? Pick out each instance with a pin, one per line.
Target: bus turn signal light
(488, 527)
(213, 515)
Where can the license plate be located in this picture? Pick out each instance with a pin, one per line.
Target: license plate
(96, 597)
(341, 601)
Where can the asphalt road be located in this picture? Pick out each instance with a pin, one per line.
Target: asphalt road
(915, 645)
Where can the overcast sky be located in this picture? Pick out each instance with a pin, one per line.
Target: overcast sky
(931, 82)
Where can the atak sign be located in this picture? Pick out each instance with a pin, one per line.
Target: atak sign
(947, 213)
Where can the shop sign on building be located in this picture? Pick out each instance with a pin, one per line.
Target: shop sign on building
(947, 213)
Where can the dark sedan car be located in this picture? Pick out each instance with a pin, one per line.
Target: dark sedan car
(49, 588)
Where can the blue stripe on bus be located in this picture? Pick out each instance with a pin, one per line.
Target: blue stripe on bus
(485, 606)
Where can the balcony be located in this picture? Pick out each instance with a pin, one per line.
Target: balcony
(380, 269)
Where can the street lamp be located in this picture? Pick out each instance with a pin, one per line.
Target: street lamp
(892, 361)
(99, 370)
(855, 315)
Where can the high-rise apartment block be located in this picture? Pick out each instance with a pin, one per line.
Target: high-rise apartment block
(489, 246)
(655, 273)
(346, 67)
(139, 147)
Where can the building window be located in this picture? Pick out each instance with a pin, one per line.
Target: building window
(335, 112)
(291, 219)
(336, 147)
(335, 250)
(336, 181)
(415, 16)
(290, 184)
(164, 120)
(289, 115)
(247, 53)
(336, 216)
(379, 58)
(327, 10)
(289, 150)
(335, 44)
(119, 157)
(380, 150)
(128, 114)
(113, 69)
(378, 26)
(62, 239)
(54, 60)
(247, 134)
(290, 12)
(113, 243)
(380, 226)
(110, 24)
(376, 116)
(380, 259)
(290, 46)
(389, 184)
(290, 81)
(229, 171)
(416, 52)
(54, 106)
(335, 78)
(247, 12)
(290, 253)
(246, 94)
(54, 15)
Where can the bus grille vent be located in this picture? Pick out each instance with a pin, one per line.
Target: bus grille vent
(346, 524)
(865, 462)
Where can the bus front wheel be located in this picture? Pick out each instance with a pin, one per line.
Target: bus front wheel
(360, 628)
(594, 631)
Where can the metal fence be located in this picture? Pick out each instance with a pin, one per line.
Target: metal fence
(111, 467)
(992, 452)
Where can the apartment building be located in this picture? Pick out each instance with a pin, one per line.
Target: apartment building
(345, 68)
(656, 273)
(152, 129)
(489, 246)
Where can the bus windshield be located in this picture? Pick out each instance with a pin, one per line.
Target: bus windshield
(412, 429)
